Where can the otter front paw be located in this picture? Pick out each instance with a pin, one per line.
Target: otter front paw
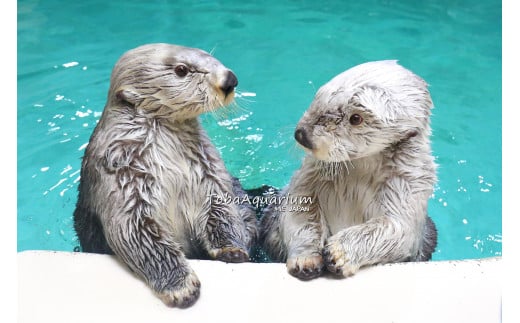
(337, 259)
(183, 295)
(305, 268)
(230, 254)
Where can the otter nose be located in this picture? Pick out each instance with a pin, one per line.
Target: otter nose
(301, 137)
(229, 83)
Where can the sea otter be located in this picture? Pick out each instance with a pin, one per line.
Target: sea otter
(360, 197)
(150, 173)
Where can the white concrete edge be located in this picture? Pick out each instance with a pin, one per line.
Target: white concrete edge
(77, 287)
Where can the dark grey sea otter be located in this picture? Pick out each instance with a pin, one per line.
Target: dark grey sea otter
(149, 172)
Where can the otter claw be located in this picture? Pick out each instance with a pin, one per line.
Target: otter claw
(305, 268)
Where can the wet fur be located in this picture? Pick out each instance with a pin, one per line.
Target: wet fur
(149, 170)
(369, 183)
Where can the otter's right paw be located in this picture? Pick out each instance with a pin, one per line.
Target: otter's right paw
(230, 254)
(305, 268)
(184, 295)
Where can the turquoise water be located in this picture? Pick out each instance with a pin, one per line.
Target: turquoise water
(282, 52)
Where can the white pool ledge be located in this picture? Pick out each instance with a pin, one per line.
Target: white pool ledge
(76, 287)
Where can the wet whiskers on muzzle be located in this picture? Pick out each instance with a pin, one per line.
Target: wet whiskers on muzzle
(224, 112)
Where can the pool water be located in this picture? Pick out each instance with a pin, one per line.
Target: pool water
(282, 52)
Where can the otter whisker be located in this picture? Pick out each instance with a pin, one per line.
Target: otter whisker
(286, 135)
(237, 108)
(219, 114)
(295, 151)
(234, 108)
(212, 51)
(345, 164)
(351, 163)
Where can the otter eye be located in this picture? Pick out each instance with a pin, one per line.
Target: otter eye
(355, 119)
(181, 70)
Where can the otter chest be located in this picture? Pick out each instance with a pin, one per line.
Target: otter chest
(350, 200)
(184, 187)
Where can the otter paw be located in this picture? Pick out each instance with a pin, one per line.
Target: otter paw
(230, 254)
(337, 260)
(184, 295)
(305, 268)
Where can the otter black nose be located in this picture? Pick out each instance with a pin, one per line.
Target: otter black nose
(229, 84)
(301, 137)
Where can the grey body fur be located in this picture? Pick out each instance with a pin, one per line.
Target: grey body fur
(149, 170)
(369, 173)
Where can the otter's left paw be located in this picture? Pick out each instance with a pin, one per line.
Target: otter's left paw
(230, 254)
(183, 295)
(337, 260)
(305, 268)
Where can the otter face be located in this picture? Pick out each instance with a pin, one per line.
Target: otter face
(364, 111)
(169, 81)
(336, 130)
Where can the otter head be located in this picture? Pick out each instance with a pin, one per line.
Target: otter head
(365, 110)
(169, 81)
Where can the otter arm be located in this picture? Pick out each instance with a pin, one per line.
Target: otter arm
(391, 236)
(303, 234)
(227, 236)
(131, 207)
(143, 246)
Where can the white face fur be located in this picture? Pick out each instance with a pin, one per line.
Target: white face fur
(364, 111)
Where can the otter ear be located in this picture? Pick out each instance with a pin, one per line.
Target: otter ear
(127, 95)
(411, 133)
(377, 100)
